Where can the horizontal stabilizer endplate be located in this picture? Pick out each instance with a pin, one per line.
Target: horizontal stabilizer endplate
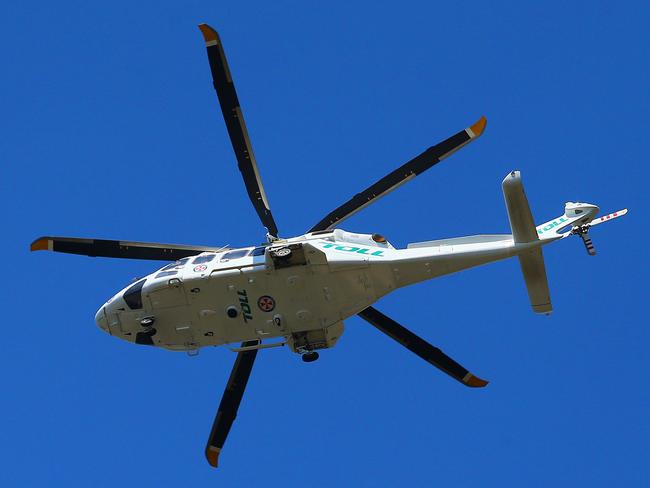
(401, 175)
(118, 249)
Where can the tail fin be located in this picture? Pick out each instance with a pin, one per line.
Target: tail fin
(524, 231)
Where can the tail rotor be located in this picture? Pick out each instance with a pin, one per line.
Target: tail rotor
(583, 230)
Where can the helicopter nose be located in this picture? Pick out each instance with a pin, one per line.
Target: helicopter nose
(100, 319)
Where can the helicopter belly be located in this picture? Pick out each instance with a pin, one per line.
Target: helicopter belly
(256, 302)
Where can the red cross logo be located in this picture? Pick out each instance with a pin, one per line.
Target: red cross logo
(266, 303)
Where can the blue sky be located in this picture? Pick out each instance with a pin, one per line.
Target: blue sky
(111, 129)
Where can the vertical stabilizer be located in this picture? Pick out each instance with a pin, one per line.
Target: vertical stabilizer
(524, 231)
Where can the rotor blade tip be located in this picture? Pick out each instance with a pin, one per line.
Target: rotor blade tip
(209, 34)
(474, 381)
(40, 244)
(477, 129)
(212, 455)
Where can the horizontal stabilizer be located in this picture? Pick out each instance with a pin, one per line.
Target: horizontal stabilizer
(534, 271)
(521, 219)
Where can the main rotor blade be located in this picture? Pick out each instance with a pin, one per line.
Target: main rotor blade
(118, 249)
(234, 118)
(230, 401)
(401, 175)
(422, 348)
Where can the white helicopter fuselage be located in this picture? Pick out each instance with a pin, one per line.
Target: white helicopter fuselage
(248, 294)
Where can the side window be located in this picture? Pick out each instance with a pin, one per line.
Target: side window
(258, 251)
(206, 258)
(133, 296)
(176, 265)
(165, 273)
(239, 253)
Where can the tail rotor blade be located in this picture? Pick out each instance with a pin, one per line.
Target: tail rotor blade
(230, 401)
(591, 250)
(422, 348)
(583, 230)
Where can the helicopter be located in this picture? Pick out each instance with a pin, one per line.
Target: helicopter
(297, 291)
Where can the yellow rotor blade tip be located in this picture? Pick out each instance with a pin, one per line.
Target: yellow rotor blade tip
(212, 455)
(475, 382)
(41, 244)
(209, 34)
(479, 126)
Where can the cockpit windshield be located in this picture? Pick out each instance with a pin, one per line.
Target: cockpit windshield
(133, 296)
